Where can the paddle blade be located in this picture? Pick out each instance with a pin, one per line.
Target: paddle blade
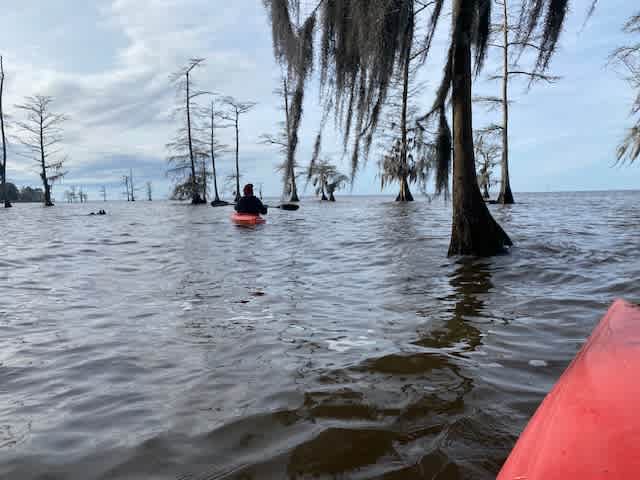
(289, 206)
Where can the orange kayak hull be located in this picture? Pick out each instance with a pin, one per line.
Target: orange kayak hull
(588, 426)
(247, 219)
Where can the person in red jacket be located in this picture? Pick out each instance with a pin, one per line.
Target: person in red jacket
(249, 203)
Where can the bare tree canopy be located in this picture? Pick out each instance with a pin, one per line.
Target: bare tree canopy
(233, 109)
(186, 151)
(41, 136)
(212, 117)
(505, 37)
(286, 140)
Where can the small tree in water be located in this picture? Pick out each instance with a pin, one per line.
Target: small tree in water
(362, 44)
(234, 109)
(185, 148)
(326, 179)
(41, 134)
(183, 189)
(487, 155)
(125, 185)
(507, 43)
(215, 148)
(629, 58)
(286, 142)
(338, 181)
(409, 158)
(132, 186)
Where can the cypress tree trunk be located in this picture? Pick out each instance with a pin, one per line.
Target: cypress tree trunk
(473, 231)
(133, 193)
(294, 188)
(215, 180)
(43, 175)
(505, 197)
(237, 162)
(291, 174)
(204, 182)
(405, 193)
(195, 196)
(3, 167)
(216, 198)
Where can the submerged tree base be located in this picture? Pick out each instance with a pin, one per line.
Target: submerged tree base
(475, 232)
(198, 200)
(407, 197)
(506, 197)
(49, 204)
(7, 204)
(405, 193)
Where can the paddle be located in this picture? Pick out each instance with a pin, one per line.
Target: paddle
(285, 206)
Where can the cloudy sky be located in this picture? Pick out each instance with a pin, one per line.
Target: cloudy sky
(107, 64)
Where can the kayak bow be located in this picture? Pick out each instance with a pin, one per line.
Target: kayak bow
(588, 426)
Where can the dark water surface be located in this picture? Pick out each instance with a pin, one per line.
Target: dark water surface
(338, 341)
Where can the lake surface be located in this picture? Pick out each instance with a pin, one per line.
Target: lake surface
(338, 341)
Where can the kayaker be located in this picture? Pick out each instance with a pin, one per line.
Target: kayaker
(249, 203)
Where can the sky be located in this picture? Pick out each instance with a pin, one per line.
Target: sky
(107, 65)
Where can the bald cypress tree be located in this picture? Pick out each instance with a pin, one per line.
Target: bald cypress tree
(286, 140)
(362, 43)
(41, 137)
(232, 112)
(185, 148)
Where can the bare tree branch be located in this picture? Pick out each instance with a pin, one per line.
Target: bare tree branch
(536, 76)
(234, 109)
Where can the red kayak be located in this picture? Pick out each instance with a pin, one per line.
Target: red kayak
(247, 219)
(588, 426)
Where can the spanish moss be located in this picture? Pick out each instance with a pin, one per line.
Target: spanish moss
(482, 30)
(293, 47)
(357, 62)
(443, 153)
(548, 24)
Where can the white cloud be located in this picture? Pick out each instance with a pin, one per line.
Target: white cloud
(108, 62)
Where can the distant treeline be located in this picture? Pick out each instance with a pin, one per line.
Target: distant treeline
(25, 194)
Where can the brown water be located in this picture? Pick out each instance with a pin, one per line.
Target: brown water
(338, 341)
